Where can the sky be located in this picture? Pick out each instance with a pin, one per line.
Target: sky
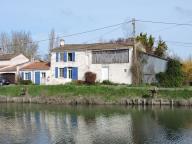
(71, 16)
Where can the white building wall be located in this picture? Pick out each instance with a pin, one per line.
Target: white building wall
(118, 73)
(46, 80)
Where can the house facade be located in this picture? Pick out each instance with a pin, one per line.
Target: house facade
(110, 61)
(10, 65)
(38, 72)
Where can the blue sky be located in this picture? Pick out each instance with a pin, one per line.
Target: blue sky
(67, 17)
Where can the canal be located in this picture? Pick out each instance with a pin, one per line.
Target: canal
(56, 124)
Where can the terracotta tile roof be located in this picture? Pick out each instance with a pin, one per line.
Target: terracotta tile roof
(7, 56)
(37, 66)
(94, 46)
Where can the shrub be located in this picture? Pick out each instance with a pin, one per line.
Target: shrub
(25, 82)
(107, 82)
(90, 78)
(173, 76)
(79, 82)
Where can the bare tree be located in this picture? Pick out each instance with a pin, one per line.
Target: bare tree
(19, 42)
(52, 42)
(5, 43)
(22, 42)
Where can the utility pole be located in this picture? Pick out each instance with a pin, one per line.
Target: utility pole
(134, 40)
(135, 64)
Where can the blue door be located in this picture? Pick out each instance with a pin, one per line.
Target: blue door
(37, 78)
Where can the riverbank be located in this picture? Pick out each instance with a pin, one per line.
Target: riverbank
(95, 94)
(96, 101)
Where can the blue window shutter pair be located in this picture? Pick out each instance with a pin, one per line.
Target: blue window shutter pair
(56, 72)
(29, 75)
(75, 73)
(65, 56)
(73, 56)
(65, 72)
(57, 57)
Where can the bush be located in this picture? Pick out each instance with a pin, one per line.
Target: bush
(173, 76)
(90, 78)
(25, 82)
(79, 82)
(107, 82)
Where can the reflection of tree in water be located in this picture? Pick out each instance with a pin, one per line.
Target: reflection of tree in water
(173, 121)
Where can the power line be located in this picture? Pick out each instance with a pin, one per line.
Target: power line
(166, 23)
(75, 34)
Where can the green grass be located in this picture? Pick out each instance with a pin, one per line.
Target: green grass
(106, 92)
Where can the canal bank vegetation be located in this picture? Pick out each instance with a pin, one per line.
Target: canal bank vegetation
(106, 92)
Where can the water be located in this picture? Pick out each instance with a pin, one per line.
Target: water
(50, 124)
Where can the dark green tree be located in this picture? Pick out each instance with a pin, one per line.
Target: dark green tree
(147, 42)
(173, 76)
(161, 48)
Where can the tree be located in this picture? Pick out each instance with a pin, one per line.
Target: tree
(187, 70)
(19, 42)
(147, 42)
(173, 76)
(161, 48)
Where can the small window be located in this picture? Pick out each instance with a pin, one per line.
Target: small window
(70, 57)
(61, 57)
(27, 76)
(70, 73)
(43, 75)
(61, 72)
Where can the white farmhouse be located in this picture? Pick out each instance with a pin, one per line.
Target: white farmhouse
(110, 61)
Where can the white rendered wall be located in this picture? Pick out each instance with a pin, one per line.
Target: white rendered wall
(118, 73)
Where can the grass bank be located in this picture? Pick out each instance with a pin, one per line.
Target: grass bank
(107, 93)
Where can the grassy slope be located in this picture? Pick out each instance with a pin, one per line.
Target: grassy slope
(106, 92)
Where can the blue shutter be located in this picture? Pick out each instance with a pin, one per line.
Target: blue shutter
(65, 56)
(56, 72)
(74, 73)
(22, 75)
(73, 56)
(57, 57)
(29, 75)
(65, 72)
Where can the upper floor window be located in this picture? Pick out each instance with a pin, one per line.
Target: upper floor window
(65, 56)
(70, 56)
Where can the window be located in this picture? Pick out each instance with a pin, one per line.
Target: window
(61, 72)
(61, 57)
(70, 73)
(27, 76)
(70, 57)
(43, 74)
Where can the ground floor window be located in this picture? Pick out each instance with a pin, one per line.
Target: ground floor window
(27, 77)
(43, 75)
(61, 72)
(70, 73)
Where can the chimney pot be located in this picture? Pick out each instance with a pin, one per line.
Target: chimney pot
(62, 43)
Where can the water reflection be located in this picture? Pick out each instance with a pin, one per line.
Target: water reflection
(44, 124)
